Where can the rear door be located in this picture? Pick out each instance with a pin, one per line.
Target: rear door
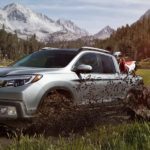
(111, 85)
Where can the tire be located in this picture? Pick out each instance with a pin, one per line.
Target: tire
(146, 97)
(131, 100)
(51, 113)
(55, 102)
(148, 102)
(130, 103)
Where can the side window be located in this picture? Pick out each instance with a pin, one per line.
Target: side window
(107, 64)
(89, 59)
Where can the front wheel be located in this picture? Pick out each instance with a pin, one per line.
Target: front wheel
(55, 102)
(52, 114)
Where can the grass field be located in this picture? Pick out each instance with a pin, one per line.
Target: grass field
(134, 136)
(145, 73)
(145, 63)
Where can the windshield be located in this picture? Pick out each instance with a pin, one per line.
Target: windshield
(47, 59)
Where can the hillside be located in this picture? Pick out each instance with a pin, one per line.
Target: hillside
(133, 40)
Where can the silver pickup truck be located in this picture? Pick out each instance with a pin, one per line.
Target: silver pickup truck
(83, 76)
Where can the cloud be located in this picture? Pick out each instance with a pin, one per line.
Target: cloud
(134, 5)
(100, 12)
(107, 9)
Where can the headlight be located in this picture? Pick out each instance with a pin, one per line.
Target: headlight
(19, 80)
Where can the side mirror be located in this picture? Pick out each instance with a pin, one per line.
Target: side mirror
(83, 69)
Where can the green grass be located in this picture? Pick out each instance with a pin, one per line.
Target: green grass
(145, 63)
(145, 73)
(134, 136)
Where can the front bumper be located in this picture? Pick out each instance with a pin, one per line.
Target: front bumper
(21, 112)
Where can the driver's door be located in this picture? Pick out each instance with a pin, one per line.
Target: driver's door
(88, 83)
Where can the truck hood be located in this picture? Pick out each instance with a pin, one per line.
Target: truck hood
(27, 70)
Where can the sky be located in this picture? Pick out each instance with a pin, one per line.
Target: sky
(92, 15)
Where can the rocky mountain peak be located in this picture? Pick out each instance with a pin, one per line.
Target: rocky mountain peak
(104, 33)
(71, 27)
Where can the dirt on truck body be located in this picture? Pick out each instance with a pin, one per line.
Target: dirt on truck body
(61, 117)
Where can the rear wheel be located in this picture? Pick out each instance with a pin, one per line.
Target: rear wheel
(130, 103)
(146, 97)
(130, 100)
(148, 102)
(138, 104)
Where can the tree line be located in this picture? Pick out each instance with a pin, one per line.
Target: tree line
(12, 47)
(133, 41)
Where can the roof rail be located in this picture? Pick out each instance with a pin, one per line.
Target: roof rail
(94, 49)
(48, 48)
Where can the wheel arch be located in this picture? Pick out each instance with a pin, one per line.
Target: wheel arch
(62, 89)
(134, 91)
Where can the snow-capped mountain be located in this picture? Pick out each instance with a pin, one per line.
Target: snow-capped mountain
(70, 31)
(71, 27)
(20, 19)
(104, 33)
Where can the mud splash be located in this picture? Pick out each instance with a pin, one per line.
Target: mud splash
(76, 119)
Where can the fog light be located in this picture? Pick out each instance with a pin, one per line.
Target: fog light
(6, 111)
(3, 110)
(11, 111)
